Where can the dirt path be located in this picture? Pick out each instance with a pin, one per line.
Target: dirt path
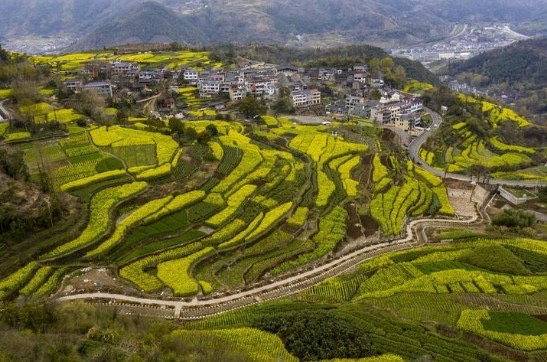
(200, 308)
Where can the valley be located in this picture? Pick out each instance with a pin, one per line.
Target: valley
(164, 197)
(215, 180)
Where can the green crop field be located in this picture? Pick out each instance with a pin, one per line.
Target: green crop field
(481, 144)
(437, 306)
(263, 208)
(186, 219)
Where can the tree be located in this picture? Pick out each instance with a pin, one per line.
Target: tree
(176, 126)
(92, 105)
(204, 137)
(375, 94)
(175, 46)
(250, 107)
(212, 129)
(400, 74)
(387, 64)
(284, 105)
(4, 55)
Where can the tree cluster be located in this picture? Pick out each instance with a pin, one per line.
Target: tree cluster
(4, 55)
(83, 332)
(514, 219)
(180, 131)
(251, 107)
(318, 335)
(13, 164)
(24, 207)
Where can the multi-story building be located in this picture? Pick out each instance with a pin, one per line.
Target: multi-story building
(103, 89)
(150, 77)
(237, 92)
(405, 121)
(306, 97)
(73, 85)
(208, 88)
(352, 101)
(125, 68)
(191, 75)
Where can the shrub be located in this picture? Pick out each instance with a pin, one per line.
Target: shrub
(318, 335)
(514, 219)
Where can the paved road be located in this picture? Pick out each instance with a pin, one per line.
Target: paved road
(284, 287)
(414, 154)
(293, 284)
(5, 115)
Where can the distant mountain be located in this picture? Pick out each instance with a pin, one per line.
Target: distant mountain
(289, 22)
(58, 17)
(149, 22)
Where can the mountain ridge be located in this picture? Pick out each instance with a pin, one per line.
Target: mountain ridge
(149, 22)
(293, 23)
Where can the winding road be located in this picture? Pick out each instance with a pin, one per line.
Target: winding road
(5, 115)
(197, 308)
(200, 308)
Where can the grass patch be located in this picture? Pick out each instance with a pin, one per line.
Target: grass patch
(535, 262)
(109, 164)
(497, 259)
(514, 323)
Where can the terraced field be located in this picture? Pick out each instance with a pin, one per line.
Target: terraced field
(490, 151)
(273, 202)
(433, 300)
(261, 208)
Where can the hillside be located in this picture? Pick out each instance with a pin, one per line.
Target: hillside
(149, 22)
(220, 224)
(481, 138)
(519, 71)
(24, 206)
(57, 17)
(305, 22)
(522, 62)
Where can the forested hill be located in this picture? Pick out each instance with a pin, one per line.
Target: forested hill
(518, 70)
(321, 57)
(521, 62)
(149, 22)
(296, 23)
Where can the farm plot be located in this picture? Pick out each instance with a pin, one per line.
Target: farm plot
(139, 149)
(100, 217)
(391, 205)
(322, 149)
(439, 284)
(489, 152)
(86, 164)
(247, 206)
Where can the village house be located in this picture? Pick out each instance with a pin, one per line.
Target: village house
(96, 70)
(103, 89)
(306, 97)
(191, 75)
(126, 69)
(237, 92)
(150, 76)
(73, 85)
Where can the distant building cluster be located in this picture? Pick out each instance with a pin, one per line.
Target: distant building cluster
(471, 41)
(346, 91)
